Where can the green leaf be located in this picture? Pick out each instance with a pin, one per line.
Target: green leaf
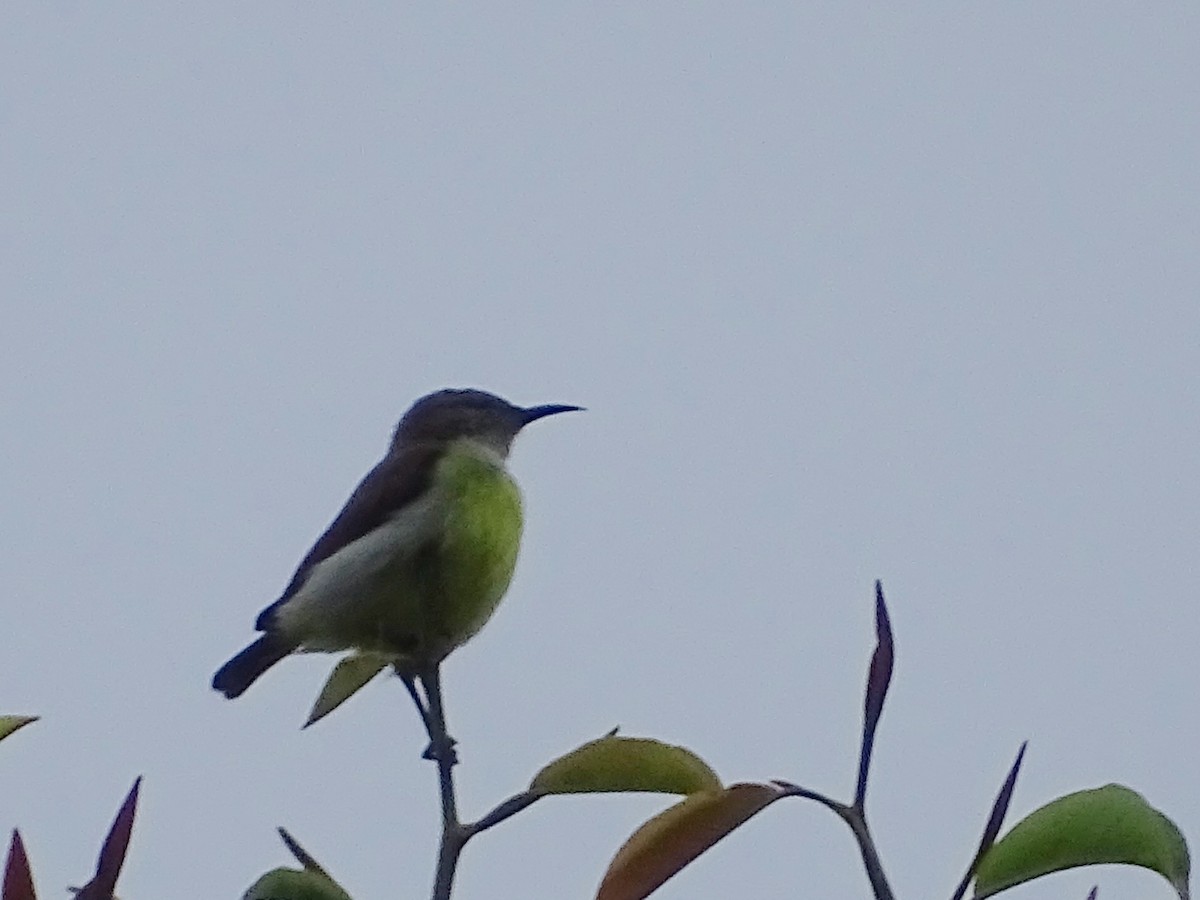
(672, 839)
(1111, 824)
(9, 724)
(313, 883)
(346, 679)
(294, 884)
(614, 763)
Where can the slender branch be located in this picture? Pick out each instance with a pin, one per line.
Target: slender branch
(505, 810)
(455, 833)
(794, 790)
(441, 751)
(857, 820)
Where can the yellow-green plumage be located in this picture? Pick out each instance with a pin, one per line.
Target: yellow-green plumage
(427, 581)
(419, 557)
(478, 550)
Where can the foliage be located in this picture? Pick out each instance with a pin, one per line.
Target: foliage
(18, 878)
(1109, 824)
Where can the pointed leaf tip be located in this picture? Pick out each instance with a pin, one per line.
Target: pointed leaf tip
(882, 621)
(311, 883)
(995, 821)
(348, 677)
(302, 856)
(613, 763)
(112, 854)
(1000, 806)
(879, 679)
(1110, 824)
(9, 724)
(18, 879)
(665, 844)
(885, 646)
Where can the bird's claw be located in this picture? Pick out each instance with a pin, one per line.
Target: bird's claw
(442, 751)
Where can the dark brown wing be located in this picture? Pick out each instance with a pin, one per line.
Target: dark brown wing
(399, 478)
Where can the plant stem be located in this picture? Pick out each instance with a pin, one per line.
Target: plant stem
(856, 817)
(441, 750)
(505, 810)
(857, 820)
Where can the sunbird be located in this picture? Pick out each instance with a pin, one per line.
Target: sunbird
(420, 556)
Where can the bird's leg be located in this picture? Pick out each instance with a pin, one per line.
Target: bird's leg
(410, 684)
(441, 745)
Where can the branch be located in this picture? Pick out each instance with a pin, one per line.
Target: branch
(441, 751)
(505, 810)
(857, 820)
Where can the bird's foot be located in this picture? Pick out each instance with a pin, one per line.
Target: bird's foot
(442, 751)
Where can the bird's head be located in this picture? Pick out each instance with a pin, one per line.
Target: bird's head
(450, 414)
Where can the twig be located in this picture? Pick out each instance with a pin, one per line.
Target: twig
(441, 751)
(856, 818)
(455, 833)
(508, 808)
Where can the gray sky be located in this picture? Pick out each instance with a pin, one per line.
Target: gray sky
(908, 293)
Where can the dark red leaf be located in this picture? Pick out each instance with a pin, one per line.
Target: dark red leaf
(18, 880)
(995, 821)
(112, 854)
(879, 678)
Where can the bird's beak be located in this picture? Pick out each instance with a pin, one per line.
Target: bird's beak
(534, 413)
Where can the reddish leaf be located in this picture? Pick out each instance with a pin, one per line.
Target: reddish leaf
(995, 820)
(18, 880)
(666, 843)
(112, 854)
(879, 678)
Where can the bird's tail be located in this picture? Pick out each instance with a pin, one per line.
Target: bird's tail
(239, 673)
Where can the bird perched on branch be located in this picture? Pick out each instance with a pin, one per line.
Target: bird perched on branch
(421, 554)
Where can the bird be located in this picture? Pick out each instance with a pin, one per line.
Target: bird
(421, 554)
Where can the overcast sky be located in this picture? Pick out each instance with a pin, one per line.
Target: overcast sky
(909, 293)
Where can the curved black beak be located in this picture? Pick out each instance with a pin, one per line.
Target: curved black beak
(533, 413)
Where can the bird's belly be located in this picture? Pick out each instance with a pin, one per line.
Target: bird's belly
(367, 595)
(477, 555)
(424, 582)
